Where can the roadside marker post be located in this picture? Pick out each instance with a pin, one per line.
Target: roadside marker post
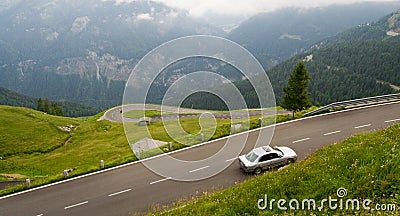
(260, 122)
(102, 164)
(65, 172)
(28, 183)
(170, 146)
(202, 137)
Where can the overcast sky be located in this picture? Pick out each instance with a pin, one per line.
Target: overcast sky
(198, 8)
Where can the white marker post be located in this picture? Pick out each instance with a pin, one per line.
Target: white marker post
(28, 183)
(102, 164)
(65, 172)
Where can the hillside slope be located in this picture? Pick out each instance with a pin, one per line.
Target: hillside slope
(360, 62)
(276, 36)
(40, 146)
(363, 61)
(31, 131)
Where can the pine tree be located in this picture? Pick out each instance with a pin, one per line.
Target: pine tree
(46, 106)
(297, 97)
(39, 105)
(55, 109)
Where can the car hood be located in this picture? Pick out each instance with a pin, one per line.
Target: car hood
(287, 152)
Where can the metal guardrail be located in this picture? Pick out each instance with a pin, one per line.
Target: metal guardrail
(354, 103)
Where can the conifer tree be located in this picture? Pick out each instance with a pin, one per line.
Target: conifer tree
(297, 97)
(40, 105)
(46, 106)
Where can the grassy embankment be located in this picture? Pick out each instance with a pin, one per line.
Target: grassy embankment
(366, 165)
(135, 114)
(33, 146)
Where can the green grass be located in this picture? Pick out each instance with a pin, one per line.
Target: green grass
(36, 147)
(136, 114)
(190, 135)
(18, 126)
(367, 165)
(185, 133)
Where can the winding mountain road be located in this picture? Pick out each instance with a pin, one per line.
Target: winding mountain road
(115, 114)
(132, 188)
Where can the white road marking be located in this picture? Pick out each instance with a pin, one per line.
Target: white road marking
(195, 170)
(75, 205)
(120, 192)
(331, 133)
(394, 120)
(39, 215)
(302, 140)
(161, 180)
(362, 126)
(229, 160)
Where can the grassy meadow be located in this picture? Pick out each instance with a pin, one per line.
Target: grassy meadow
(33, 146)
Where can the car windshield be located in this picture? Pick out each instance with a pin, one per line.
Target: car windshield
(251, 156)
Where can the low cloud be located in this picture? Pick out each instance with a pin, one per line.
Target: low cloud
(248, 7)
(144, 16)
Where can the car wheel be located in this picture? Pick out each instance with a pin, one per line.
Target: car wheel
(258, 171)
(289, 161)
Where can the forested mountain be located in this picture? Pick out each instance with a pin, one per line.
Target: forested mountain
(360, 62)
(276, 36)
(83, 51)
(10, 98)
(273, 34)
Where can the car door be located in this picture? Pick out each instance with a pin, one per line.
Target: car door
(264, 161)
(274, 160)
(269, 160)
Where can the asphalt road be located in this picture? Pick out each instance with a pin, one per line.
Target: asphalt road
(134, 189)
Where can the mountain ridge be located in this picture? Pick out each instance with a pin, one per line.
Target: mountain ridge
(357, 63)
(276, 36)
(84, 51)
(360, 62)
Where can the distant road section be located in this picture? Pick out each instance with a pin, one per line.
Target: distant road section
(115, 114)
